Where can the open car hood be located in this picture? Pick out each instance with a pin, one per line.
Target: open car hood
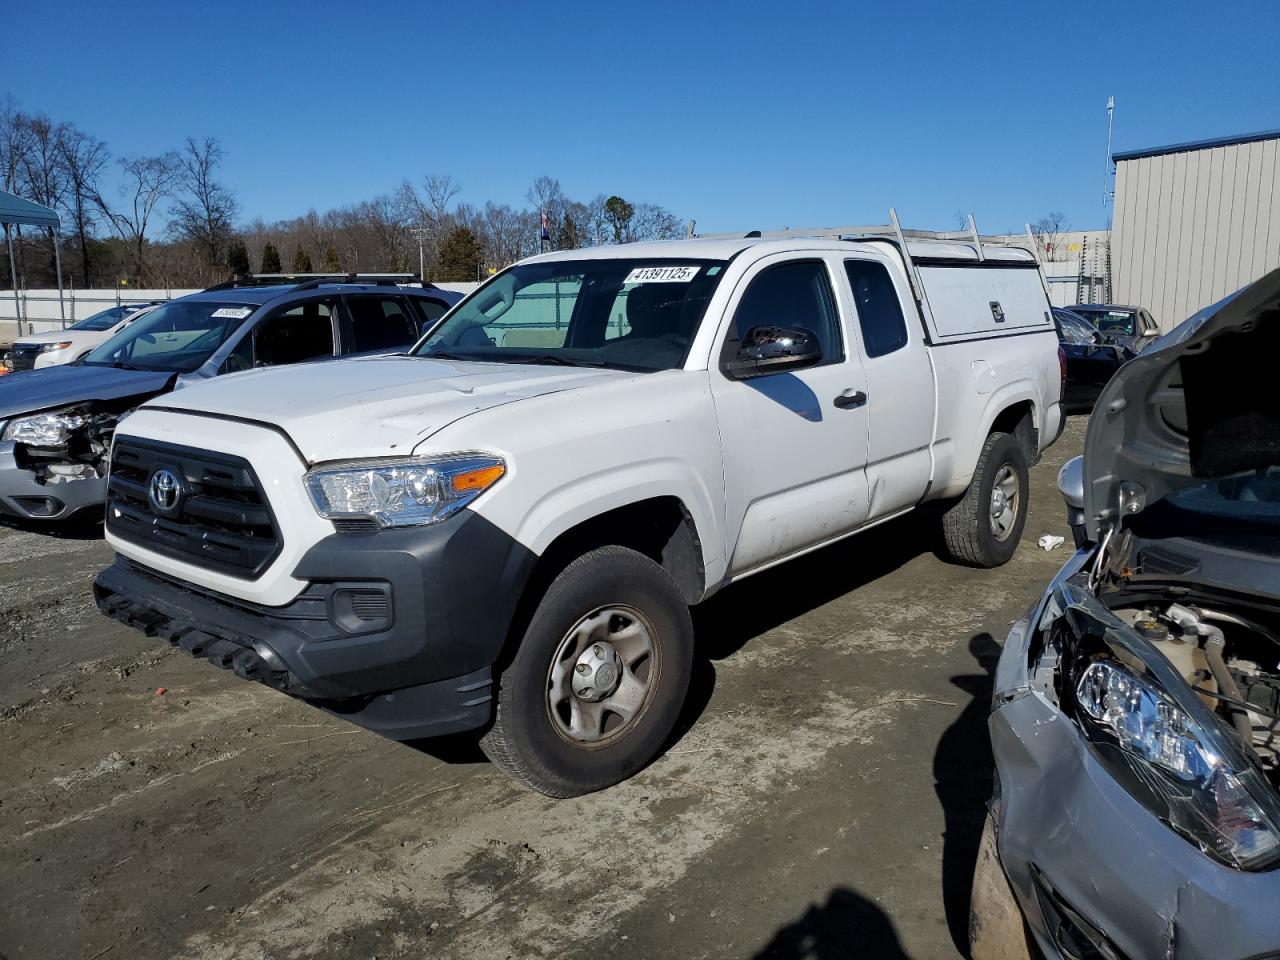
(1201, 402)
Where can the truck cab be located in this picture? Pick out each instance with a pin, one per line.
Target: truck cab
(504, 530)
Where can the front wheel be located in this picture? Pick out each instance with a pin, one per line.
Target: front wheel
(599, 679)
(983, 527)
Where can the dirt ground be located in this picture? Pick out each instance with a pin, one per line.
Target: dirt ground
(824, 796)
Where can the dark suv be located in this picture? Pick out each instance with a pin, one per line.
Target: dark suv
(56, 423)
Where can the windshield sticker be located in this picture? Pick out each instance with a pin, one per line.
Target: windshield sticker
(661, 275)
(231, 313)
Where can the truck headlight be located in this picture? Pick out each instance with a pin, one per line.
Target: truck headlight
(403, 492)
(50, 347)
(52, 429)
(1164, 758)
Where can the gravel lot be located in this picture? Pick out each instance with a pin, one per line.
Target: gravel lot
(824, 796)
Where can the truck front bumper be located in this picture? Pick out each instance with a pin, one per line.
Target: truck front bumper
(21, 495)
(396, 632)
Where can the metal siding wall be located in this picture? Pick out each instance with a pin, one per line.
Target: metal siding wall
(1190, 228)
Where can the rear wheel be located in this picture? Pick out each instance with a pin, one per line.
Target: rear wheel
(598, 681)
(996, 928)
(983, 527)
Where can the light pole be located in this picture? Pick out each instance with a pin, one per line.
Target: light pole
(420, 234)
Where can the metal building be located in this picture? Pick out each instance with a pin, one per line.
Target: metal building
(1193, 222)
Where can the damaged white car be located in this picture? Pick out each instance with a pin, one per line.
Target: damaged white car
(1136, 713)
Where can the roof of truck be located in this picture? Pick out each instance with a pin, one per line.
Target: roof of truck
(724, 247)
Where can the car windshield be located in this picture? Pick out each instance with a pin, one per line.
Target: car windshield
(104, 320)
(178, 336)
(1110, 320)
(632, 314)
(1253, 496)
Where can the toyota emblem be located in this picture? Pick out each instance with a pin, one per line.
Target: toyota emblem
(165, 492)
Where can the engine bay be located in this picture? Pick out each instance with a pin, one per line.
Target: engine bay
(70, 445)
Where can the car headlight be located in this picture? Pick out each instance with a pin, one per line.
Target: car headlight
(51, 429)
(1165, 759)
(403, 492)
(50, 347)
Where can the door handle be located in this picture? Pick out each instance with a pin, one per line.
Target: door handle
(850, 399)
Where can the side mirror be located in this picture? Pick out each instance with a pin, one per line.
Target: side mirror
(1071, 486)
(772, 350)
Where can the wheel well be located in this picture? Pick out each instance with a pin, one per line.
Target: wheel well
(1018, 420)
(660, 528)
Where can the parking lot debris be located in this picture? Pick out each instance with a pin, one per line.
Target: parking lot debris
(1051, 542)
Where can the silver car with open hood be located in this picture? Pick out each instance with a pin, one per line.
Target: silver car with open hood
(1136, 713)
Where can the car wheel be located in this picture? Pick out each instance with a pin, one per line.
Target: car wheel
(599, 678)
(983, 527)
(996, 928)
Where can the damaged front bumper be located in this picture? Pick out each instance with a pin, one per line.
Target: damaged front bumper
(23, 495)
(1095, 873)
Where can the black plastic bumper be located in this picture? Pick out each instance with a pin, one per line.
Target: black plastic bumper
(396, 632)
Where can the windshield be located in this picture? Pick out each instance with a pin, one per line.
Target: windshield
(1110, 321)
(630, 314)
(178, 336)
(104, 320)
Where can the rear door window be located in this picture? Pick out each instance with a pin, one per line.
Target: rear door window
(884, 328)
(380, 323)
(297, 333)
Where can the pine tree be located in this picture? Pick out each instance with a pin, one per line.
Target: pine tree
(238, 258)
(567, 235)
(460, 256)
(331, 264)
(301, 262)
(270, 258)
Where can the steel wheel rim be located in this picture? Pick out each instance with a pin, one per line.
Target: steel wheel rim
(592, 724)
(1006, 497)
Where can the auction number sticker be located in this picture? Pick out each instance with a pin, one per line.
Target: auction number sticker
(232, 313)
(661, 275)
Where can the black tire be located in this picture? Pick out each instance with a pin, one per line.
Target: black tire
(966, 525)
(526, 741)
(997, 930)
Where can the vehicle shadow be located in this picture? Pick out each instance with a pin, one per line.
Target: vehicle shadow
(743, 611)
(77, 528)
(847, 927)
(963, 770)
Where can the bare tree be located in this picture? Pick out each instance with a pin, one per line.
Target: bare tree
(440, 189)
(84, 157)
(1048, 231)
(146, 182)
(204, 209)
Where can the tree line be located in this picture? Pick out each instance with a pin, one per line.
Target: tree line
(170, 220)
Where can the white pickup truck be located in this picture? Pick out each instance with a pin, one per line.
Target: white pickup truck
(503, 530)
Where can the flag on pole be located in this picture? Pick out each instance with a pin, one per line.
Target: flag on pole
(546, 234)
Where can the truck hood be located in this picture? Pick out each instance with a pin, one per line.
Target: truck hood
(51, 387)
(375, 406)
(1198, 404)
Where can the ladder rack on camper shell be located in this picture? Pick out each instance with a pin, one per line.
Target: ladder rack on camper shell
(917, 248)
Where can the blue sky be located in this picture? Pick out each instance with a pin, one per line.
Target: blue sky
(743, 115)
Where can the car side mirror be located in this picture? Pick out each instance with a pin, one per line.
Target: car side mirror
(769, 349)
(1071, 486)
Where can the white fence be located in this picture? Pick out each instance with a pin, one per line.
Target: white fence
(41, 311)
